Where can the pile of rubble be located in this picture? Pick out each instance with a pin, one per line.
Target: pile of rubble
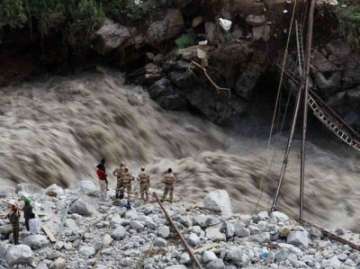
(90, 233)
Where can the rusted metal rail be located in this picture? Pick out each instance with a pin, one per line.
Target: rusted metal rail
(186, 245)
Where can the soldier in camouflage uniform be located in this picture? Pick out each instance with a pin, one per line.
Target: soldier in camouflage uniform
(127, 178)
(144, 180)
(169, 181)
(14, 216)
(119, 174)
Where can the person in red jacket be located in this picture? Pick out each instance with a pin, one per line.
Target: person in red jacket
(103, 182)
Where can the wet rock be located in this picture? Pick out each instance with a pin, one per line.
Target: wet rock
(219, 200)
(255, 20)
(110, 37)
(19, 255)
(54, 190)
(167, 96)
(36, 241)
(81, 208)
(168, 27)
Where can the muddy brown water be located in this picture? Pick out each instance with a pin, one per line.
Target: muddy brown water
(55, 131)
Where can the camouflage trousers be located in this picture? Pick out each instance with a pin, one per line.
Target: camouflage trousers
(16, 228)
(144, 191)
(168, 191)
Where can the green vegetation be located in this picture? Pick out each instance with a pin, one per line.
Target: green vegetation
(349, 21)
(184, 41)
(74, 19)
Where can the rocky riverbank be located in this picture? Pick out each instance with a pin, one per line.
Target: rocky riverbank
(103, 234)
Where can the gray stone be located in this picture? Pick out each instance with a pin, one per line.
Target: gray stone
(214, 234)
(119, 233)
(81, 208)
(136, 225)
(219, 200)
(19, 255)
(193, 239)
(164, 231)
(208, 256)
(87, 251)
(54, 190)
(298, 238)
(88, 187)
(240, 230)
(168, 27)
(229, 229)
(160, 242)
(216, 264)
(177, 266)
(185, 258)
(111, 36)
(36, 241)
(59, 263)
(237, 256)
(200, 220)
(42, 265)
(107, 240)
(279, 216)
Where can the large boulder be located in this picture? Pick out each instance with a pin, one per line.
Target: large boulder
(81, 208)
(166, 95)
(219, 200)
(19, 255)
(88, 187)
(298, 238)
(36, 241)
(54, 190)
(110, 37)
(169, 27)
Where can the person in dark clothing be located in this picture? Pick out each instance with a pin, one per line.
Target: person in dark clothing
(14, 216)
(28, 213)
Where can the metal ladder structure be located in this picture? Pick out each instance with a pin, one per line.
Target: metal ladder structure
(321, 110)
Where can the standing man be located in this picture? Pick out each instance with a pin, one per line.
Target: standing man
(169, 181)
(119, 174)
(127, 179)
(28, 212)
(144, 180)
(102, 176)
(14, 216)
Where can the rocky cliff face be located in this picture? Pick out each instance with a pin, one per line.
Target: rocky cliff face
(237, 42)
